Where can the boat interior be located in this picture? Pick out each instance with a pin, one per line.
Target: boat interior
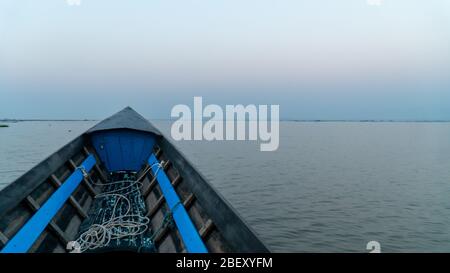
(119, 188)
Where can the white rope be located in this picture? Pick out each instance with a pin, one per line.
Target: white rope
(120, 226)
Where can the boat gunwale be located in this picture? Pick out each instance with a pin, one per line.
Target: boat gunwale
(19, 189)
(235, 230)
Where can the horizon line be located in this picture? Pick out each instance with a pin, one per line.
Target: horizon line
(9, 120)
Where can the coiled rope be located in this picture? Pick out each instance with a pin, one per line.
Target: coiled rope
(125, 223)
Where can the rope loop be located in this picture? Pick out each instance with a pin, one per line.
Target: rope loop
(122, 221)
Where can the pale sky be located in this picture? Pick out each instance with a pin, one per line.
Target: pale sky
(317, 59)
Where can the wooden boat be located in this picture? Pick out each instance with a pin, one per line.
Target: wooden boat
(120, 186)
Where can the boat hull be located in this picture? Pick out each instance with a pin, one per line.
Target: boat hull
(201, 220)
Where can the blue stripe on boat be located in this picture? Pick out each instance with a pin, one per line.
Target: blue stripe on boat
(186, 228)
(28, 234)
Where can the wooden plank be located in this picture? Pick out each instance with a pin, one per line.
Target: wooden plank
(52, 225)
(153, 182)
(167, 164)
(59, 233)
(149, 189)
(90, 188)
(155, 207)
(3, 238)
(97, 168)
(189, 201)
(101, 173)
(72, 164)
(72, 199)
(88, 185)
(158, 152)
(33, 228)
(187, 204)
(144, 173)
(177, 180)
(86, 151)
(32, 203)
(160, 201)
(161, 235)
(206, 229)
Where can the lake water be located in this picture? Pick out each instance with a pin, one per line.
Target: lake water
(331, 187)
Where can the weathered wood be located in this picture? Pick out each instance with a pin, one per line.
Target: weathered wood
(158, 152)
(155, 207)
(52, 225)
(72, 199)
(97, 168)
(90, 188)
(162, 233)
(86, 182)
(187, 203)
(160, 201)
(144, 173)
(206, 229)
(3, 238)
(167, 164)
(59, 233)
(177, 180)
(32, 203)
(100, 172)
(86, 151)
(149, 189)
(72, 164)
(152, 183)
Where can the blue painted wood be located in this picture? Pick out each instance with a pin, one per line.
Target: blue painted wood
(123, 149)
(186, 228)
(28, 234)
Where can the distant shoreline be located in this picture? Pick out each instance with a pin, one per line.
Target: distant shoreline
(288, 120)
(23, 120)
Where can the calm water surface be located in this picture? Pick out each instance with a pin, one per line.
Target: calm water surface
(330, 187)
